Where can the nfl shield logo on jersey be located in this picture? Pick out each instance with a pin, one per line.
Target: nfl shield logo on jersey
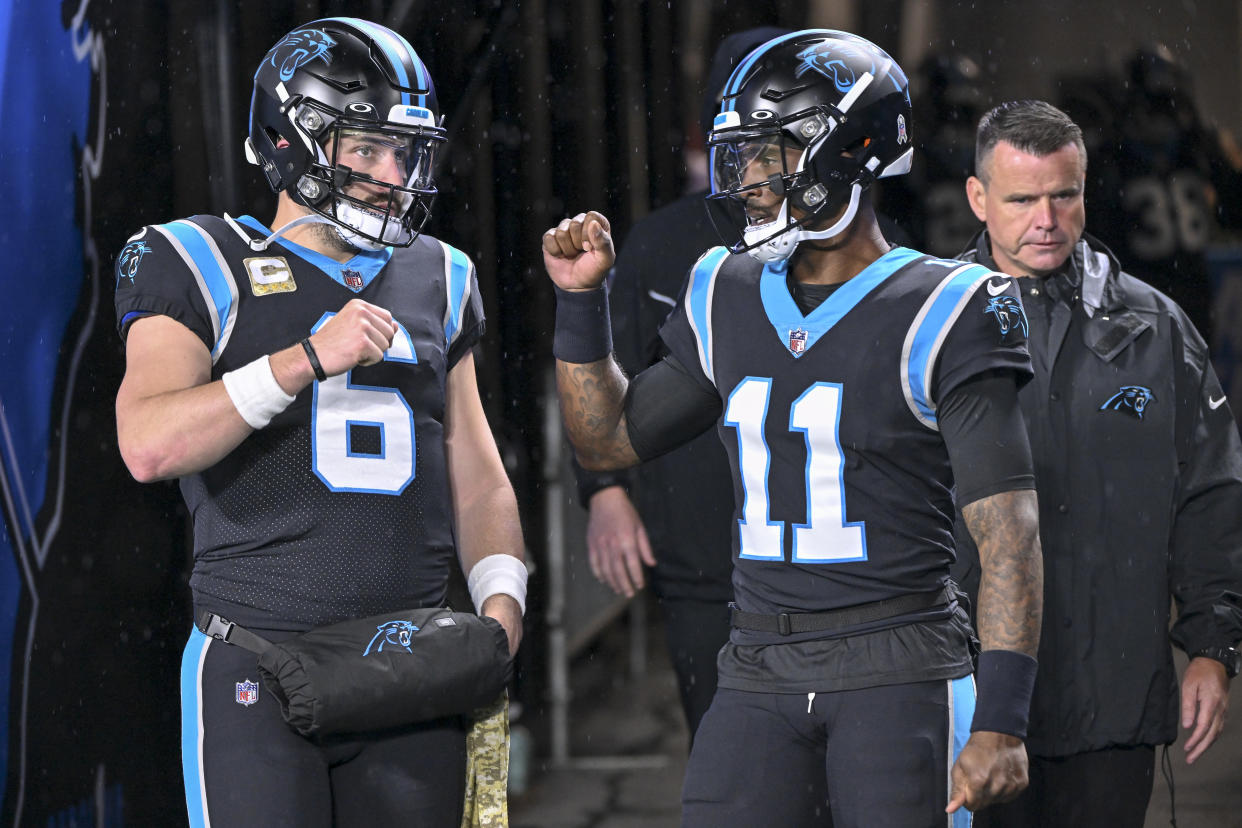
(352, 279)
(797, 341)
(247, 692)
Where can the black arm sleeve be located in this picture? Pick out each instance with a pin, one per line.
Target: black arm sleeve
(982, 427)
(665, 407)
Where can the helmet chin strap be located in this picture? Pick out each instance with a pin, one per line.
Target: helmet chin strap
(781, 246)
(259, 245)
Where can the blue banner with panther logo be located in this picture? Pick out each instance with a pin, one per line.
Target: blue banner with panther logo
(44, 106)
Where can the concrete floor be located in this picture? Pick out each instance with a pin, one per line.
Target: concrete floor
(628, 747)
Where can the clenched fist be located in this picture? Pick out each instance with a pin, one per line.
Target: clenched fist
(578, 252)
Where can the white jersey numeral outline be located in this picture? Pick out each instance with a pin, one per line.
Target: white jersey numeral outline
(826, 537)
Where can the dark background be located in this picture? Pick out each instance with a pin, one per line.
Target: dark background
(552, 108)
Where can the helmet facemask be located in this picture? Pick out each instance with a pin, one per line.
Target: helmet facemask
(802, 171)
(350, 181)
(835, 108)
(321, 91)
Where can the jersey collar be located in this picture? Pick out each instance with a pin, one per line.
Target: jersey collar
(355, 274)
(797, 332)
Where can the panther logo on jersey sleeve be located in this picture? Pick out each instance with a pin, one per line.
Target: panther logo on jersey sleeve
(131, 256)
(1009, 314)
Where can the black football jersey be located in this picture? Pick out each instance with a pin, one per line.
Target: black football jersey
(340, 507)
(842, 482)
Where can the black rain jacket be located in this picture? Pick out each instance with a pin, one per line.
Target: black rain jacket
(1138, 469)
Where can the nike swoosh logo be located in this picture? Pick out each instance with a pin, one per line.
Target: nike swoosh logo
(997, 290)
(660, 297)
(1215, 404)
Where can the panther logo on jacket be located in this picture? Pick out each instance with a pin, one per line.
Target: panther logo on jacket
(398, 633)
(1131, 398)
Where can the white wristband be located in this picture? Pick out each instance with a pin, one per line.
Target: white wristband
(255, 393)
(494, 575)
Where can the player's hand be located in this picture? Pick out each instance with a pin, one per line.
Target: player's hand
(991, 768)
(578, 252)
(357, 335)
(504, 608)
(1205, 699)
(617, 541)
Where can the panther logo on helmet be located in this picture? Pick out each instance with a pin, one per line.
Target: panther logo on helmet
(829, 59)
(299, 48)
(806, 126)
(368, 88)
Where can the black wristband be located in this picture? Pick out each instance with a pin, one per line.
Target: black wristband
(583, 332)
(1004, 680)
(314, 360)
(589, 483)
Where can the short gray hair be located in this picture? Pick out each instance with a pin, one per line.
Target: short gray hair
(1034, 127)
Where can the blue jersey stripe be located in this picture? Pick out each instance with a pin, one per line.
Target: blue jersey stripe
(457, 273)
(393, 45)
(928, 335)
(218, 284)
(698, 304)
(191, 715)
(961, 714)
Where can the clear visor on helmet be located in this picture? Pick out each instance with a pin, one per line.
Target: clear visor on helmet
(752, 171)
(395, 157)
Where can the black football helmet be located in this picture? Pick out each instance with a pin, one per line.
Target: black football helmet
(816, 116)
(347, 82)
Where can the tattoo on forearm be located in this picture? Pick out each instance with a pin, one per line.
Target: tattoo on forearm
(1005, 527)
(592, 399)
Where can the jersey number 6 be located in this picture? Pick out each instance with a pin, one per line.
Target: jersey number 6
(341, 409)
(825, 537)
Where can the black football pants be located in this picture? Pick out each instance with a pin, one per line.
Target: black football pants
(872, 758)
(244, 766)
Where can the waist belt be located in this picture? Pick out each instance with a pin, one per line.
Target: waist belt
(225, 630)
(787, 623)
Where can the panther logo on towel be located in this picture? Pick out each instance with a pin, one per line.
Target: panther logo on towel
(398, 633)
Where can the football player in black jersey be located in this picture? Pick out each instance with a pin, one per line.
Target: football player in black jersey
(855, 386)
(312, 387)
